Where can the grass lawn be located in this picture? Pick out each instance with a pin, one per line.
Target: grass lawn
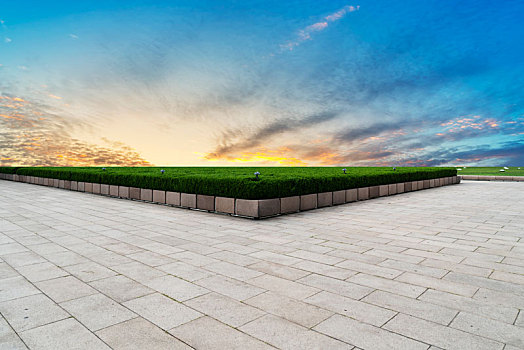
(493, 171)
(239, 182)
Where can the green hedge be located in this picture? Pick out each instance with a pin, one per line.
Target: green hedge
(8, 169)
(239, 182)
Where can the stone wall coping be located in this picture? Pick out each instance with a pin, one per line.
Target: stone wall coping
(492, 178)
(251, 208)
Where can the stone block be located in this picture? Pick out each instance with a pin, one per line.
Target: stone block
(81, 186)
(246, 207)
(458, 179)
(205, 202)
(289, 204)
(123, 192)
(74, 185)
(363, 193)
(324, 199)
(352, 195)
(392, 189)
(173, 198)
(96, 188)
(16, 177)
(308, 201)
(420, 185)
(104, 189)
(414, 185)
(224, 205)
(159, 196)
(88, 187)
(425, 184)
(61, 183)
(268, 207)
(113, 190)
(41, 181)
(431, 183)
(146, 194)
(383, 190)
(339, 197)
(374, 191)
(188, 200)
(408, 186)
(518, 178)
(134, 193)
(484, 178)
(400, 187)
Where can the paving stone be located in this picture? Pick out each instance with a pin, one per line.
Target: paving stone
(150, 258)
(304, 314)
(225, 309)
(344, 288)
(185, 271)
(97, 311)
(16, 287)
(89, 271)
(233, 271)
(227, 286)
(41, 272)
(355, 309)
(138, 271)
(489, 328)
(31, 311)
(278, 270)
(441, 336)
(413, 307)
(176, 288)
(65, 288)
(234, 258)
(227, 338)
(438, 284)
(387, 285)
(283, 287)
(9, 340)
(121, 288)
(194, 259)
(138, 333)
(370, 269)
(23, 259)
(62, 335)
(287, 335)
(492, 310)
(366, 336)
(7, 271)
(323, 269)
(162, 311)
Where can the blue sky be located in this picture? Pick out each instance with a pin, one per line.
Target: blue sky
(262, 82)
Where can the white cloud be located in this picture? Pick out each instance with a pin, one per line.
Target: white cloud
(73, 36)
(8, 40)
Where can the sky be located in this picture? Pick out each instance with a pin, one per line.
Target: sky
(252, 82)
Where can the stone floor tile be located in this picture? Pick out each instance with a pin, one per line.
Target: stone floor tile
(138, 333)
(415, 268)
(498, 297)
(366, 336)
(277, 270)
(89, 271)
(23, 258)
(234, 258)
(176, 288)
(304, 314)
(489, 328)
(284, 287)
(508, 277)
(287, 335)
(185, 271)
(492, 310)
(320, 258)
(97, 311)
(344, 288)
(225, 309)
(7, 271)
(232, 288)
(162, 311)
(138, 271)
(9, 340)
(16, 287)
(150, 258)
(31, 311)
(67, 334)
(275, 257)
(121, 288)
(387, 285)
(323, 269)
(41, 271)
(233, 271)
(370, 269)
(355, 309)
(413, 307)
(67, 258)
(223, 337)
(194, 259)
(483, 282)
(437, 284)
(65, 288)
(441, 336)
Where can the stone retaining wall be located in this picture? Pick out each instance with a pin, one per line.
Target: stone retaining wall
(492, 178)
(260, 208)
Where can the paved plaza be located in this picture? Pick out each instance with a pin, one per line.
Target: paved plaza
(434, 269)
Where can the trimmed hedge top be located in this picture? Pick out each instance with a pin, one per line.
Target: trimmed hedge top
(238, 182)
